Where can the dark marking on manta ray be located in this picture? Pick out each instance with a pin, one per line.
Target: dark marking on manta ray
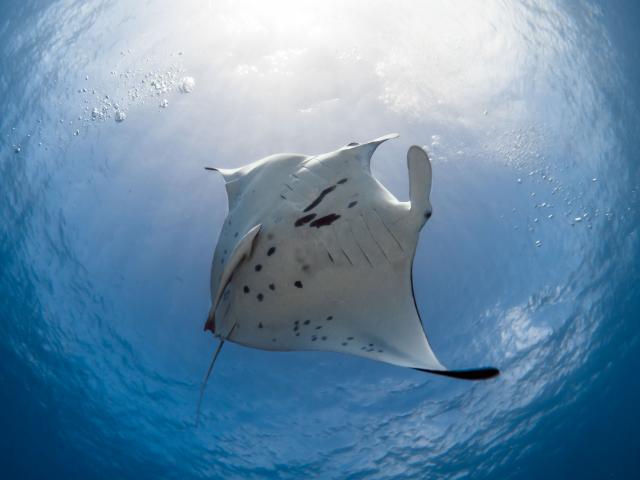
(298, 334)
(298, 284)
(314, 338)
(258, 267)
(259, 324)
(349, 338)
(324, 338)
(325, 221)
(320, 197)
(260, 297)
(306, 219)
(246, 289)
(271, 251)
(318, 327)
(307, 322)
(305, 268)
(344, 344)
(272, 286)
(329, 318)
(273, 339)
(353, 204)
(343, 181)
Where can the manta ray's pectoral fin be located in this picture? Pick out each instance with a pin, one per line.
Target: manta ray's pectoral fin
(470, 374)
(420, 177)
(242, 251)
(231, 182)
(364, 151)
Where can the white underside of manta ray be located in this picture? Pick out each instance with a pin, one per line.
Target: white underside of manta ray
(316, 254)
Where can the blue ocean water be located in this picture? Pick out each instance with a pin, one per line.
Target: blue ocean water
(108, 112)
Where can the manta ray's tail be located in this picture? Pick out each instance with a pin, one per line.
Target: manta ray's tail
(206, 379)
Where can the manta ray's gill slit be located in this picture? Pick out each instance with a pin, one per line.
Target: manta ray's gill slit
(329, 255)
(319, 198)
(346, 256)
(325, 221)
(361, 250)
(375, 240)
(306, 219)
(388, 229)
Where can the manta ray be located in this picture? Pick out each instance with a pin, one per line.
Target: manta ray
(316, 254)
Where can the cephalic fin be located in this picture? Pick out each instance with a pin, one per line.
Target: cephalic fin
(242, 250)
(471, 374)
(420, 178)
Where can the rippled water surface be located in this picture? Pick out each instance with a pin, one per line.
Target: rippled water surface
(110, 109)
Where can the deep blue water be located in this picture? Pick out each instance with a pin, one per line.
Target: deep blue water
(531, 261)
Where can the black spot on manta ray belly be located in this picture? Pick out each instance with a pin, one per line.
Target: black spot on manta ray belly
(298, 284)
(258, 267)
(306, 219)
(260, 297)
(342, 181)
(272, 286)
(246, 289)
(325, 221)
(352, 204)
(271, 251)
(320, 197)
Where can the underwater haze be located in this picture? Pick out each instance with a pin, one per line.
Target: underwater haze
(109, 110)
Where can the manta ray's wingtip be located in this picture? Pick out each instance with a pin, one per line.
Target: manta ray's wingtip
(483, 373)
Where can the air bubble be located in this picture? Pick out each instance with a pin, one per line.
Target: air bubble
(187, 84)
